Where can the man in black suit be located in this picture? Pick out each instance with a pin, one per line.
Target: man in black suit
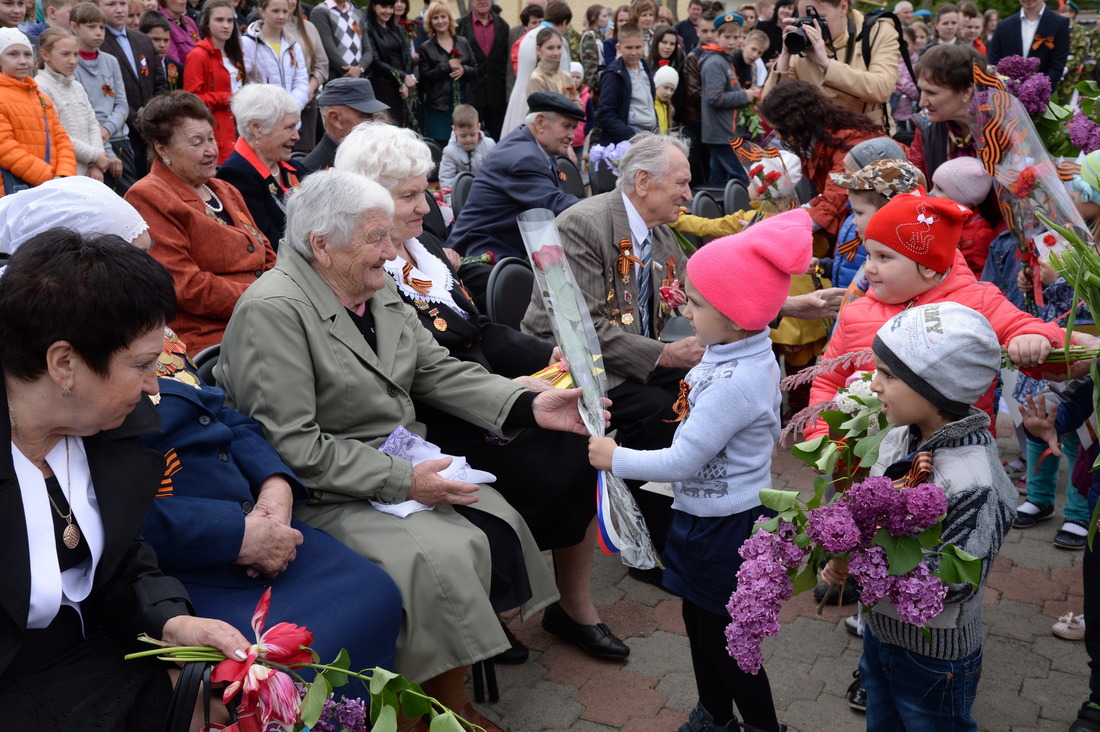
(487, 33)
(1033, 32)
(142, 77)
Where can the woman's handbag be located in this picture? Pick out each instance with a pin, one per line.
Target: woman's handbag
(194, 679)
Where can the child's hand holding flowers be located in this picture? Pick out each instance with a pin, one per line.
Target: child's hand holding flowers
(600, 450)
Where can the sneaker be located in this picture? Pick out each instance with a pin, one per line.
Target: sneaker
(857, 695)
(1088, 718)
(1070, 627)
(1074, 538)
(851, 624)
(700, 721)
(1029, 514)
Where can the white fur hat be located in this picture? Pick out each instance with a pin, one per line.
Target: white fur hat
(666, 75)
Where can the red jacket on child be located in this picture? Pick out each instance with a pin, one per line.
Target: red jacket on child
(974, 242)
(205, 76)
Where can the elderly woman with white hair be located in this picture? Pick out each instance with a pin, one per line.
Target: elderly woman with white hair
(206, 237)
(261, 167)
(325, 355)
(559, 505)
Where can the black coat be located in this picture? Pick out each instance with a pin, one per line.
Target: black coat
(435, 73)
(323, 155)
(129, 594)
(488, 88)
(500, 349)
(1006, 41)
(263, 196)
(386, 86)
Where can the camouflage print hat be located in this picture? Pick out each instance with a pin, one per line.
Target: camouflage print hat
(887, 177)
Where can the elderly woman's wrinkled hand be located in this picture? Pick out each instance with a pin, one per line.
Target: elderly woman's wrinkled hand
(184, 630)
(276, 500)
(559, 409)
(432, 489)
(269, 545)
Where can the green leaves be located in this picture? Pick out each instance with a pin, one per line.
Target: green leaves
(314, 703)
(867, 448)
(904, 552)
(778, 500)
(959, 567)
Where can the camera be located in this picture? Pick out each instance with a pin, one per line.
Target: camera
(796, 41)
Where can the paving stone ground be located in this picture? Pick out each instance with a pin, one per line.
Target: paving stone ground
(1032, 681)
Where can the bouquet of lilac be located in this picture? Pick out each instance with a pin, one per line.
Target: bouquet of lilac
(890, 534)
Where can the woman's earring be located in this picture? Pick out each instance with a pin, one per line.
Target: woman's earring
(167, 161)
(65, 391)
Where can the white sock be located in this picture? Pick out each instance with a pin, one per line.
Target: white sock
(1072, 528)
(1029, 508)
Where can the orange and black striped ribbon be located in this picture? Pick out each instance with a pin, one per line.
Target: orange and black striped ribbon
(1066, 170)
(849, 248)
(920, 472)
(1047, 41)
(172, 466)
(681, 406)
(421, 286)
(626, 257)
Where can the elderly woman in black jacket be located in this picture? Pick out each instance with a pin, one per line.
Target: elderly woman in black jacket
(391, 74)
(446, 64)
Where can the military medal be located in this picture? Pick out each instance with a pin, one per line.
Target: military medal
(437, 322)
(420, 304)
(628, 318)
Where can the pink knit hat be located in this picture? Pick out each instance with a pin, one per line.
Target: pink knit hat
(747, 276)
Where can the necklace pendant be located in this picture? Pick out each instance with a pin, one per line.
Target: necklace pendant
(71, 536)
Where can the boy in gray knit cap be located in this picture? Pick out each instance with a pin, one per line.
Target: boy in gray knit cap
(932, 364)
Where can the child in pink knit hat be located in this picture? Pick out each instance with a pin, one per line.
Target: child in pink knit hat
(720, 457)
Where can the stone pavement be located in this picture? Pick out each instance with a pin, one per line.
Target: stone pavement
(1031, 681)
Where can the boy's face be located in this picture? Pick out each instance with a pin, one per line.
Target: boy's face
(665, 92)
(59, 17)
(752, 51)
(116, 12)
(632, 48)
(895, 277)
(729, 37)
(89, 35)
(901, 404)
(12, 12)
(863, 211)
(707, 34)
(161, 39)
(467, 137)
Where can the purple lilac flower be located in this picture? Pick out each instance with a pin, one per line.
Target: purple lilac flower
(352, 714)
(1017, 68)
(778, 546)
(833, 527)
(919, 507)
(869, 567)
(1084, 133)
(871, 502)
(1034, 93)
(918, 595)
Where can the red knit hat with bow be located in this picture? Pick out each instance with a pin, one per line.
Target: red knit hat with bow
(922, 228)
(747, 276)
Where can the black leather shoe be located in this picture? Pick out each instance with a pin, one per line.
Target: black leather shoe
(515, 655)
(595, 640)
(856, 694)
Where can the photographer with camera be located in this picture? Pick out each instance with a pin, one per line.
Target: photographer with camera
(854, 63)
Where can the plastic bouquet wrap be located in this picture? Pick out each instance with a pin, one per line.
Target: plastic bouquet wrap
(622, 528)
(772, 186)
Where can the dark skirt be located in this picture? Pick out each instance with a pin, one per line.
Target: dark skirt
(88, 688)
(544, 475)
(701, 556)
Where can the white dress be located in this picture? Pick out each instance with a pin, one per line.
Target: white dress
(526, 61)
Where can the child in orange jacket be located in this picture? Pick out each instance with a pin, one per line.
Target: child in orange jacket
(34, 147)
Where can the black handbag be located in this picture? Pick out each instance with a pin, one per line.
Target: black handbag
(194, 679)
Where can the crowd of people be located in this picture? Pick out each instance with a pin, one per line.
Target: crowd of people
(255, 182)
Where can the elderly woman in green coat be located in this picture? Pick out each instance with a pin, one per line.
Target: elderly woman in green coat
(323, 352)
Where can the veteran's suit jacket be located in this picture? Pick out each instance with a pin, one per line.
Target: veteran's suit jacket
(516, 176)
(1053, 38)
(590, 235)
(129, 594)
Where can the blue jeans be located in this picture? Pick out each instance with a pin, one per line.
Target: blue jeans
(909, 692)
(724, 164)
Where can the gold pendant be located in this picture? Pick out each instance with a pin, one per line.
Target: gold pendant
(71, 536)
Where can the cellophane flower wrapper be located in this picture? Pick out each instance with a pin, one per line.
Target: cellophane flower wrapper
(1026, 180)
(770, 181)
(622, 528)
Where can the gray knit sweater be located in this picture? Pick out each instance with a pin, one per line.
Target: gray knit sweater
(102, 80)
(980, 508)
(720, 457)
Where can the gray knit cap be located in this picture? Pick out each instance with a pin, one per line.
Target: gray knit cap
(946, 352)
(877, 148)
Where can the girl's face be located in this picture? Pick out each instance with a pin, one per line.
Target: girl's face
(149, 4)
(605, 16)
(293, 5)
(622, 19)
(133, 20)
(176, 7)
(750, 18)
(276, 13)
(784, 12)
(384, 13)
(17, 61)
(62, 57)
(920, 36)
(12, 12)
(646, 19)
(578, 78)
(222, 22)
(550, 51)
(441, 24)
(399, 8)
(947, 25)
(666, 46)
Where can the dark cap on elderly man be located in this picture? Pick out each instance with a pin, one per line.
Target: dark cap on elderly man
(355, 93)
(554, 102)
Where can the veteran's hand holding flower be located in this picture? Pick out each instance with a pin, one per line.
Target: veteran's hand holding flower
(558, 409)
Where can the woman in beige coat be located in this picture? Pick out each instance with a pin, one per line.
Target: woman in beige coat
(839, 68)
(324, 353)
